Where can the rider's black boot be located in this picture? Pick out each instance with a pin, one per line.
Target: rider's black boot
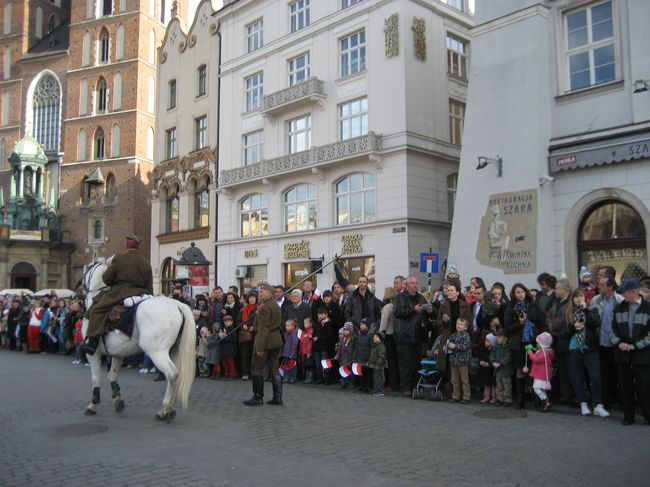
(89, 346)
(276, 380)
(258, 391)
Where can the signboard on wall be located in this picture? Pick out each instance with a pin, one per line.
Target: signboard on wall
(508, 233)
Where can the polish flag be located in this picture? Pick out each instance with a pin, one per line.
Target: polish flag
(281, 370)
(326, 363)
(345, 371)
(357, 369)
(300, 332)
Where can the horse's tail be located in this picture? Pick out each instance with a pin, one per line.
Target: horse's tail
(185, 356)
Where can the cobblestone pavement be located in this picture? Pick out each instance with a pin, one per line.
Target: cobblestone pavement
(321, 436)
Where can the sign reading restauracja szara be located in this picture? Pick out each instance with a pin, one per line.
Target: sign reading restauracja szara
(508, 235)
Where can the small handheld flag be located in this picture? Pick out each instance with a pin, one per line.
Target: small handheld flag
(326, 363)
(345, 371)
(357, 369)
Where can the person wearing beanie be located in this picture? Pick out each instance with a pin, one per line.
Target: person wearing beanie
(345, 353)
(376, 363)
(584, 282)
(542, 370)
(486, 371)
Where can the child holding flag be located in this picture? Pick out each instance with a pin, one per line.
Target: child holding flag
(290, 351)
(376, 363)
(361, 356)
(345, 353)
(306, 351)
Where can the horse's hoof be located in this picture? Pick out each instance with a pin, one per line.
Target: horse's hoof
(161, 416)
(171, 415)
(90, 412)
(119, 406)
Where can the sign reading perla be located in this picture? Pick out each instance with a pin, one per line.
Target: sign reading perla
(351, 244)
(508, 234)
(296, 250)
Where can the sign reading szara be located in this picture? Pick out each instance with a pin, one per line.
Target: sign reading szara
(351, 244)
(508, 234)
(296, 250)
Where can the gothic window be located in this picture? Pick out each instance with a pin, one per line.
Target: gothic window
(100, 102)
(81, 146)
(110, 187)
(3, 155)
(104, 47)
(100, 142)
(39, 22)
(46, 108)
(97, 230)
(53, 23)
(115, 141)
(107, 7)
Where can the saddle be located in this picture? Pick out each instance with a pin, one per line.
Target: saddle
(119, 317)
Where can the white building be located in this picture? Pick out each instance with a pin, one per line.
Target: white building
(336, 135)
(558, 91)
(183, 203)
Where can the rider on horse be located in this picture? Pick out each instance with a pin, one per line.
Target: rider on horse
(129, 274)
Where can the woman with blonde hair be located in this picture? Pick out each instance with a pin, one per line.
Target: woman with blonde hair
(387, 326)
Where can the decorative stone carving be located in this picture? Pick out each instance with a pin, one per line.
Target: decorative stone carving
(192, 40)
(420, 38)
(391, 33)
(163, 57)
(214, 28)
(313, 89)
(316, 156)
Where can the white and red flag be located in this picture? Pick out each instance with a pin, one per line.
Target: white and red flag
(300, 332)
(345, 371)
(326, 363)
(357, 369)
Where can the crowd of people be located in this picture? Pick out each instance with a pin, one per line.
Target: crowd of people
(585, 345)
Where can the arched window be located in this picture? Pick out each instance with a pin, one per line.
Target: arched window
(103, 48)
(109, 186)
(53, 23)
(90, 9)
(39, 22)
(151, 95)
(115, 141)
(167, 275)
(119, 49)
(83, 97)
(3, 158)
(122, 5)
(201, 208)
(612, 233)
(81, 146)
(107, 7)
(84, 193)
(152, 47)
(254, 215)
(6, 106)
(86, 49)
(100, 144)
(100, 96)
(355, 199)
(300, 208)
(117, 91)
(97, 229)
(6, 67)
(172, 214)
(8, 14)
(46, 112)
(150, 141)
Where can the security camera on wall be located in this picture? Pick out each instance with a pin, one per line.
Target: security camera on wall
(544, 179)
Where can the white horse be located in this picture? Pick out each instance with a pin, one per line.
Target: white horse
(164, 329)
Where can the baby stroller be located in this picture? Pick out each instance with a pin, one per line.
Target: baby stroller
(429, 385)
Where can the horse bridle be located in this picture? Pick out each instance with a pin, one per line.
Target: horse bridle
(88, 276)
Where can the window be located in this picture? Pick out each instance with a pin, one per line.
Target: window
(3, 155)
(201, 208)
(81, 146)
(457, 56)
(115, 141)
(255, 35)
(83, 97)
(152, 47)
(254, 91)
(253, 147)
(590, 46)
(86, 49)
(6, 107)
(353, 53)
(104, 47)
(117, 91)
(99, 144)
(299, 69)
(96, 230)
(90, 12)
(109, 185)
(119, 50)
(150, 141)
(254, 215)
(6, 67)
(299, 134)
(348, 3)
(202, 80)
(456, 121)
(300, 208)
(172, 213)
(353, 119)
(171, 101)
(101, 95)
(39, 22)
(46, 112)
(8, 14)
(151, 95)
(299, 15)
(107, 7)
(200, 132)
(52, 23)
(355, 199)
(457, 4)
(122, 5)
(452, 185)
(171, 150)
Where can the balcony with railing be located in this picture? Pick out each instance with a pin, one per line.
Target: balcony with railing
(368, 145)
(312, 90)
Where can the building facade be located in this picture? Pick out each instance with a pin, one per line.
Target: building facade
(340, 126)
(571, 127)
(184, 198)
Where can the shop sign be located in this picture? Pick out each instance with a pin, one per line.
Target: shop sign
(508, 233)
(351, 244)
(296, 250)
(249, 254)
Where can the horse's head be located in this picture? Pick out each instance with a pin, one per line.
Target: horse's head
(92, 279)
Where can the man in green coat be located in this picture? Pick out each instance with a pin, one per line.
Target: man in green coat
(266, 348)
(129, 274)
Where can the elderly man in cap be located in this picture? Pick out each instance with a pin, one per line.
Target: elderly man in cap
(129, 274)
(631, 337)
(266, 348)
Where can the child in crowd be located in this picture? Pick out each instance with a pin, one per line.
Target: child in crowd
(322, 344)
(345, 353)
(584, 278)
(78, 340)
(290, 351)
(376, 363)
(541, 372)
(213, 357)
(460, 356)
(306, 351)
(362, 354)
(486, 371)
(202, 352)
(229, 344)
(502, 362)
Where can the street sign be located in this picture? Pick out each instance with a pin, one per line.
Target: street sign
(429, 263)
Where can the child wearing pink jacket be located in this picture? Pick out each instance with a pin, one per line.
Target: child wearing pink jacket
(541, 370)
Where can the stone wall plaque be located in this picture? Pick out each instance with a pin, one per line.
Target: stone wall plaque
(391, 33)
(420, 38)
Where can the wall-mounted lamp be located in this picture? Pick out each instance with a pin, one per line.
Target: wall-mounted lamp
(641, 85)
(484, 161)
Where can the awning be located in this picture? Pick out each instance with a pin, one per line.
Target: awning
(608, 151)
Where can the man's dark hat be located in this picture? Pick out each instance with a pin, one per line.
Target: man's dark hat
(628, 285)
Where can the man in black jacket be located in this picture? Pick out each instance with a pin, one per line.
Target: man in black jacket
(631, 337)
(362, 304)
(558, 326)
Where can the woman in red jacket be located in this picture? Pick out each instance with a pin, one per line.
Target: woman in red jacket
(246, 334)
(34, 329)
